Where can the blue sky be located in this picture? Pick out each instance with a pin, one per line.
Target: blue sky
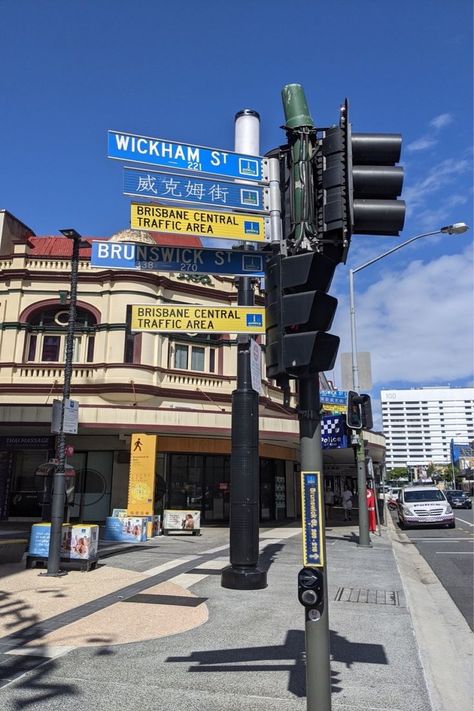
(180, 71)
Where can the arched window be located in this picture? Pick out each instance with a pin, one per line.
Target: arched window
(47, 330)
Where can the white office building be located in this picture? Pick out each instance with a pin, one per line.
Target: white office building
(419, 424)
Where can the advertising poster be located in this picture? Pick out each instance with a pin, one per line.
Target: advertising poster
(126, 530)
(141, 483)
(312, 519)
(177, 520)
(80, 542)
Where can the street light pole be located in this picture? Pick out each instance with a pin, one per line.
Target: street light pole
(59, 479)
(357, 441)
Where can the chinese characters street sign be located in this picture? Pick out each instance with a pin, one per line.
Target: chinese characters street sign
(312, 519)
(194, 189)
(204, 319)
(202, 223)
(169, 154)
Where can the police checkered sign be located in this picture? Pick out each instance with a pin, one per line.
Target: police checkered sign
(333, 432)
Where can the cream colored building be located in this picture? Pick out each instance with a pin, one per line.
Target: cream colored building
(177, 386)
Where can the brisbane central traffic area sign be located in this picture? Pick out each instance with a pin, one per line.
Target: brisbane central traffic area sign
(202, 223)
(191, 318)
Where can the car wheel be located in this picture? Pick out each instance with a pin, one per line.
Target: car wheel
(401, 523)
(452, 525)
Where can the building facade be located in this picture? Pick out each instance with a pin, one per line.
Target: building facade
(177, 386)
(420, 423)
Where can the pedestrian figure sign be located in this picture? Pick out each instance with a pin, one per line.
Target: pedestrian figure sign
(202, 223)
(183, 156)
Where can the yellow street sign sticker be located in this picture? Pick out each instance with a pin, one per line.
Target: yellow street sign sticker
(202, 223)
(187, 317)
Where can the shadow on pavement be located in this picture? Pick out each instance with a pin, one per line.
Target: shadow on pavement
(240, 659)
(269, 555)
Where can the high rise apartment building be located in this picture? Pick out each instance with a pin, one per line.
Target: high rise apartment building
(419, 424)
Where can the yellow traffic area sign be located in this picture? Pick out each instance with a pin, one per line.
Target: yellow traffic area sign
(189, 317)
(203, 223)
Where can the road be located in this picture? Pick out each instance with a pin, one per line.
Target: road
(450, 554)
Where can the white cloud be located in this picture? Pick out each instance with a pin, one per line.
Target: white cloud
(421, 144)
(441, 121)
(417, 323)
(430, 139)
(440, 176)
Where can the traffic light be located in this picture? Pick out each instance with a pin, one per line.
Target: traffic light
(298, 314)
(354, 415)
(359, 411)
(356, 183)
(311, 592)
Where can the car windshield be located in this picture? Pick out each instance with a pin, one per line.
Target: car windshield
(453, 492)
(423, 495)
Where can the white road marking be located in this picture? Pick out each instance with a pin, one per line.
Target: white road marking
(442, 540)
(280, 533)
(45, 650)
(455, 552)
(216, 564)
(185, 580)
(169, 565)
(215, 550)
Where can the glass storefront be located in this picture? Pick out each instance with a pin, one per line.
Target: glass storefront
(202, 481)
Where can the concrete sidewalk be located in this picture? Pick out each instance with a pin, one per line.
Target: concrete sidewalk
(152, 628)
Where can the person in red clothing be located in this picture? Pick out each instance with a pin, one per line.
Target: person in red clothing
(371, 509)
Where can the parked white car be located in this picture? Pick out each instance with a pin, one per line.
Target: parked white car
(421, 505)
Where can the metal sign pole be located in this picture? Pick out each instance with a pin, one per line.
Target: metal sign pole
(59, 482)
(318, 670)
(243, 572)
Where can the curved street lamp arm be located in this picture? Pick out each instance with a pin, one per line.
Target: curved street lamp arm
(394, 249)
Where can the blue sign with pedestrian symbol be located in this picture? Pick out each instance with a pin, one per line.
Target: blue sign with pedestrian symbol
(174, 187)
(254, 320)
(183, 156)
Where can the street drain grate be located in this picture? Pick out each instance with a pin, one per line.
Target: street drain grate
(375, 597)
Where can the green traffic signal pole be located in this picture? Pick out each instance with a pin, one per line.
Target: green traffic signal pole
(298, 121)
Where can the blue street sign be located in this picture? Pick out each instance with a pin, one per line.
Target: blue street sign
(312, 519)
(192, 189)
(147, 257)
(338, 397)
(183, 156)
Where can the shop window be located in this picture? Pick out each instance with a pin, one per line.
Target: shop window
(191, 358)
